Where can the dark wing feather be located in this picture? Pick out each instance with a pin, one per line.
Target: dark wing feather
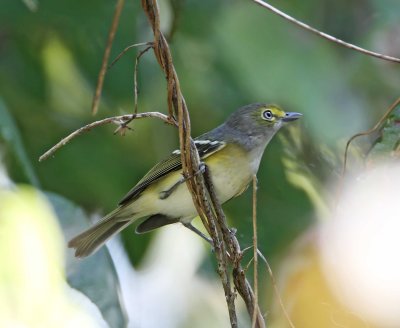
(170, 164)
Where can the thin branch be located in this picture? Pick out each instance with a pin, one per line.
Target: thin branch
(135, 88)
(220, 238)
(189, 155)
(102, 73)
(255, 247)
(325, 35)
(273, 281)
(221, 255)
(249, 263)
(128, 48)
(119, 120)
(286, 314)
(176, 6)
(364, 133)
(242, 285)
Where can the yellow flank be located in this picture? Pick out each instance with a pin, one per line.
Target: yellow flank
(230, 170)
(230, 179)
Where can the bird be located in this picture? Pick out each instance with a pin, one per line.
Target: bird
(232, 152)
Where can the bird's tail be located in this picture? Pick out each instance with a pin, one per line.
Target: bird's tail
(92, 239)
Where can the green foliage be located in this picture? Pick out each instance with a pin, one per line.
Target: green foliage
(10, 134)
(80, 274)
(32, 287)
(242, 55)
(387, 145)
(227, 54)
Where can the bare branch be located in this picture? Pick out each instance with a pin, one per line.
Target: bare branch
(242, 285)
(189, 155)
(364, 133)
(128, 48)
(119, 120)
(325, 35)
(274, 285)
(255, 247)
(176, 6)
(102, 73)
(135, 88)
(220, 229)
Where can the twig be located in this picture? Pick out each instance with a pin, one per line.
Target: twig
(119, 120)
(135, 88)
(221, 253)
(249, 263)
(364, 133)
(126, 49)
(176, 6)
(242, 285)
(255, 247)
(189, 155)
(276, 291)
(102, 73)
(286, 314)
(325, 35)
(377, 126)
(244, 289)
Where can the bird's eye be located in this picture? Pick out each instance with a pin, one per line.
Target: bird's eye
(268, 115)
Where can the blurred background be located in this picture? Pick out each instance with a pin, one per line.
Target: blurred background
(227, 54)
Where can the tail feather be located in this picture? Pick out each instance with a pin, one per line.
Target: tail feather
(92, 239)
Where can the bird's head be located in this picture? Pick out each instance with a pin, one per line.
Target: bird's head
(260, 119)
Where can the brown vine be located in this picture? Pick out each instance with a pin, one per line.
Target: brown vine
(200, 186)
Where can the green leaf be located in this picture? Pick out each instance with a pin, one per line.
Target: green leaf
(388, 143)
(100, 285)
(33, 292)
(10, 133)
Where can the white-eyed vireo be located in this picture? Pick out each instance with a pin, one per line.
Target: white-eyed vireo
(232, 152)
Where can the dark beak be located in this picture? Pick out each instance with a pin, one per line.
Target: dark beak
(291, 116)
